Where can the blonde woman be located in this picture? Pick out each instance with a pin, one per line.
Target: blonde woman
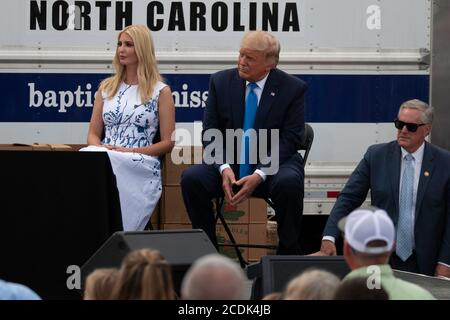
(130, 108)
(312, 285)
(144, 275)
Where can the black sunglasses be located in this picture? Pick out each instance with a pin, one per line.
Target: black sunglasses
(412, 127)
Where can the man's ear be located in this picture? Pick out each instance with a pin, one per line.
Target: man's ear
(428, 129)
(347, 250)
(348, 254)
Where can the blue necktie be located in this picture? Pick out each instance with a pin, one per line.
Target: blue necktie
(251, 104)
(404, 228)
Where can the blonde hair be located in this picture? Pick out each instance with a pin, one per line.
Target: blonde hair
(312, 285)
(147, 71)
(144, 275)
(100, 283)
(265, 42)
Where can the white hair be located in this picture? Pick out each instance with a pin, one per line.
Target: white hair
(214, 277)
(427, 110)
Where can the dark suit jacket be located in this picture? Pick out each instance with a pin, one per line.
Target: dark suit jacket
(379, 171)
(281, 107)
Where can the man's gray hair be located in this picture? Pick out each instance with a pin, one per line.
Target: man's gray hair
(214, 277)
(427, 110)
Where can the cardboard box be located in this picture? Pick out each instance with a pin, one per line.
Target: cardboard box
(179, 160)
(12, 147)
(240, 234)
(257, 234)
(155, 218)
(253, 233)
(35, 147)
(253, 210)
(235, 214)
(171, 226)
(173, 210)
(77, 147)
(60, 147)
(258, 210)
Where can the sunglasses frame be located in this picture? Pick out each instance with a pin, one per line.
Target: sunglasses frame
(412, 127)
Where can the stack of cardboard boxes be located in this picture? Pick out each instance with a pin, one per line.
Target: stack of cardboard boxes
(35, 147)
(247, 221)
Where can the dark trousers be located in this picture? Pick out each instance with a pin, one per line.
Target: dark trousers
(201, 183)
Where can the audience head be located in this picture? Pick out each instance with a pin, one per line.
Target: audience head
(369, 237)
(358, 289)
(100, 283)
(273, 296)
(312, 285)
(144, 275)
(214, 277)
(16, 291)
(413, 124)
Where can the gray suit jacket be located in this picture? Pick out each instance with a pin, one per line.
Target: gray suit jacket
(379, 171)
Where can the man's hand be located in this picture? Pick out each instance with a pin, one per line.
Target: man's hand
(442, 271)
(327, 248)
(248, 184)
(228, 179)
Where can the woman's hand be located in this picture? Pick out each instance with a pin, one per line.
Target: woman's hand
(118, 148)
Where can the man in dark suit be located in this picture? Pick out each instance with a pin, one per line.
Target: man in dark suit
(278, 102)
(421, 213)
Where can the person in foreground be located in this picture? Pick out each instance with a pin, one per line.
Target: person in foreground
(214, 277)
(132, 109)
(144, 275)
(99, 284)
(312, 284)
(369, 237)
(356, 289)
(16, 291)
(259, 99)
(410, 179)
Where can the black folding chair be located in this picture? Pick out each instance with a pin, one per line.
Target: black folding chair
(308, 139)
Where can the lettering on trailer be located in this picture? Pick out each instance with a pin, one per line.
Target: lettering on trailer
(62, 97)
(65, 99)
(215, 16)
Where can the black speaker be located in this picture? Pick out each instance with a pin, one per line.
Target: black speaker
(273, 273)
(180, 248)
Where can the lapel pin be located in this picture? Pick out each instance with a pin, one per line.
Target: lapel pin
(272, 94)
(426, 173)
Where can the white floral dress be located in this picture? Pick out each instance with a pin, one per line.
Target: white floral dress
(132, 124)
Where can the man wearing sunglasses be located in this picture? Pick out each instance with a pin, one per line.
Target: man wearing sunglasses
(410, 179)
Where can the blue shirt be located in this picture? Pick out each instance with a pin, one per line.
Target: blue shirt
(15, 291)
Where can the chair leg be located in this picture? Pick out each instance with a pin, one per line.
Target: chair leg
(219, 215)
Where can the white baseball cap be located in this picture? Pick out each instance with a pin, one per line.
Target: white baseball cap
(363, 226)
